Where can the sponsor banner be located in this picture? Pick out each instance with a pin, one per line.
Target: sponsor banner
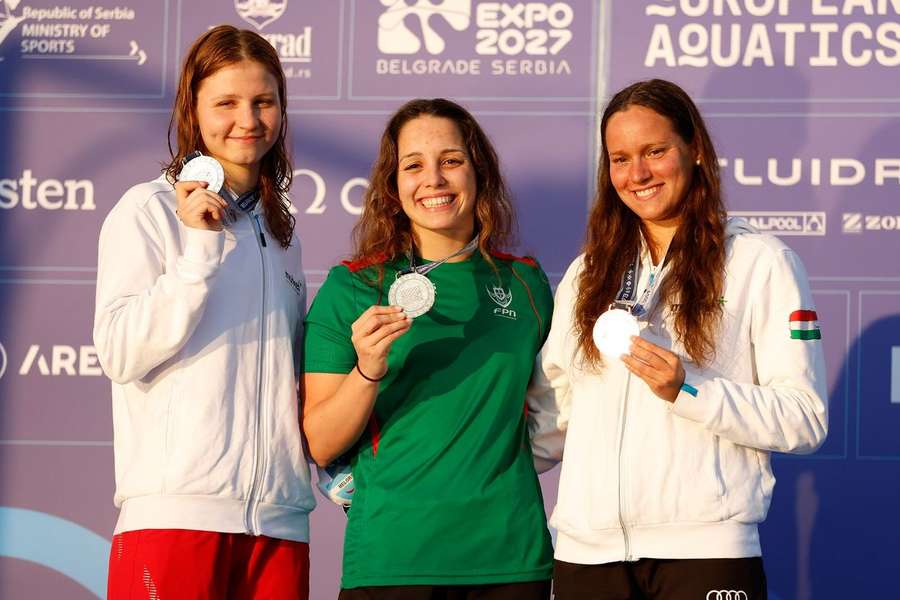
(53, 387)
(474, 49)
(760, 50)
(855, 222)
(307, 36)
(82, 49)
(829, 178)
(877, 414)
(785, 222)
(54, 202)
(550, 189)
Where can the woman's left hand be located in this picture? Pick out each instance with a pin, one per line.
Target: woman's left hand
(658, 367)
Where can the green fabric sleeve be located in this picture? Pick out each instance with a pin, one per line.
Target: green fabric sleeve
(327, 347)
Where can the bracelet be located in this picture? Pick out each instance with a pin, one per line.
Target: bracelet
(366, 377)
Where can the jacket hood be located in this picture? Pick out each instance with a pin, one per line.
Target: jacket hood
(735, 226)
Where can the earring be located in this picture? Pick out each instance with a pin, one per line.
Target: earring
(697, 162)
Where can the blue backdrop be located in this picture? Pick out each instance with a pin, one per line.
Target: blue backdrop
(803, 99)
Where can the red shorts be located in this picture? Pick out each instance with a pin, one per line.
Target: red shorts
(175, 564)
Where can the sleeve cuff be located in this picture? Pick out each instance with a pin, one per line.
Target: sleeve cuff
(687, 402)
(202, 253)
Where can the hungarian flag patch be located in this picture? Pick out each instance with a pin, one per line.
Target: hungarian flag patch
(804, 325)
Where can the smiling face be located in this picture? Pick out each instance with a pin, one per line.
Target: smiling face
(650, 165)
(239, 115)
(436, 182)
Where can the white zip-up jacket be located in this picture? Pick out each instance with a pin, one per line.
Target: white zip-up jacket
(645, 478)
(200, 332)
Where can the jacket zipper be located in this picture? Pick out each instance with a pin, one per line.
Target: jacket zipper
(622, 471)
(251, 520)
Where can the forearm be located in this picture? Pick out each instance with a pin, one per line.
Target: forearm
(335, 423)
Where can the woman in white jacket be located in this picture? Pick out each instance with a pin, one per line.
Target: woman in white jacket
(200, 305)
(665, 441)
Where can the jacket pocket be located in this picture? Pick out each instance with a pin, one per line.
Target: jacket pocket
(748, 481)
(675, 475)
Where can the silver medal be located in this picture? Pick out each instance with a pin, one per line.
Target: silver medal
(204, 168)
(412, 292)
(613, 330)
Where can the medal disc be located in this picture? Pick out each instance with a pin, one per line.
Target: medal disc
(613, 330)
(414, 293)
(204, 168)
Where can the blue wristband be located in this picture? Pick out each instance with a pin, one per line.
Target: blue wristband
(689, 389)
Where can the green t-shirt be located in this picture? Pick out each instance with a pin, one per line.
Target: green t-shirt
(446, 492)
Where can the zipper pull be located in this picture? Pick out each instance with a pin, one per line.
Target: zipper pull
(259, 227)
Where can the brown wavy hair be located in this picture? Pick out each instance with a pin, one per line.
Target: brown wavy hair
(693, 288)
(383, 232)
(217, 48)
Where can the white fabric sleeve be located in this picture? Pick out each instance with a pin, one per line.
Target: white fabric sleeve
(145, 312)
(786, 408)
(549, 397)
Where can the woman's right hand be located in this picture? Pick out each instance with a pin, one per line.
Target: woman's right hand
(198, 207)
(372, 335)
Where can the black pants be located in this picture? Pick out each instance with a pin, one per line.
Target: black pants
(662, 579)
(531, 590)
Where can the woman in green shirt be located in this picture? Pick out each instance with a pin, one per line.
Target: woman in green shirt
(418, 354)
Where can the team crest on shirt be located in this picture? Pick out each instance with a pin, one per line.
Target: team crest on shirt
(502, 298)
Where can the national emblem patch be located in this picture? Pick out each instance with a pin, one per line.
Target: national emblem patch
(804, 325)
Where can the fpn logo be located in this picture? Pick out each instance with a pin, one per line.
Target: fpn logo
(502, 298)
(394, 37)
(260, 13)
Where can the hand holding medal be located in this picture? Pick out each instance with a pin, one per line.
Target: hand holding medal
(197, 191)
(659, 368)
(372, 335)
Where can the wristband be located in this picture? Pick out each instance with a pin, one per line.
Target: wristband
(366, 377)
(684, 388)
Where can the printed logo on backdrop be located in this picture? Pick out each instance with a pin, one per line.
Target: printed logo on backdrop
(859, 222)
(8, 19)
(307, 36)
(504, 48)
(699, 42)
(59, 359)
(27, 192)
(394, 37)
(2, 361)
(790, 172)
(260, 13)
(784, 222)
(109, 45)
(294, 46)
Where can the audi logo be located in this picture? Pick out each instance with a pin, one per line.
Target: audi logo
(727, 595)
(2, 360)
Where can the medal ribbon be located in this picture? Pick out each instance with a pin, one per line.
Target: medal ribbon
(627, 291)
(425, 269)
